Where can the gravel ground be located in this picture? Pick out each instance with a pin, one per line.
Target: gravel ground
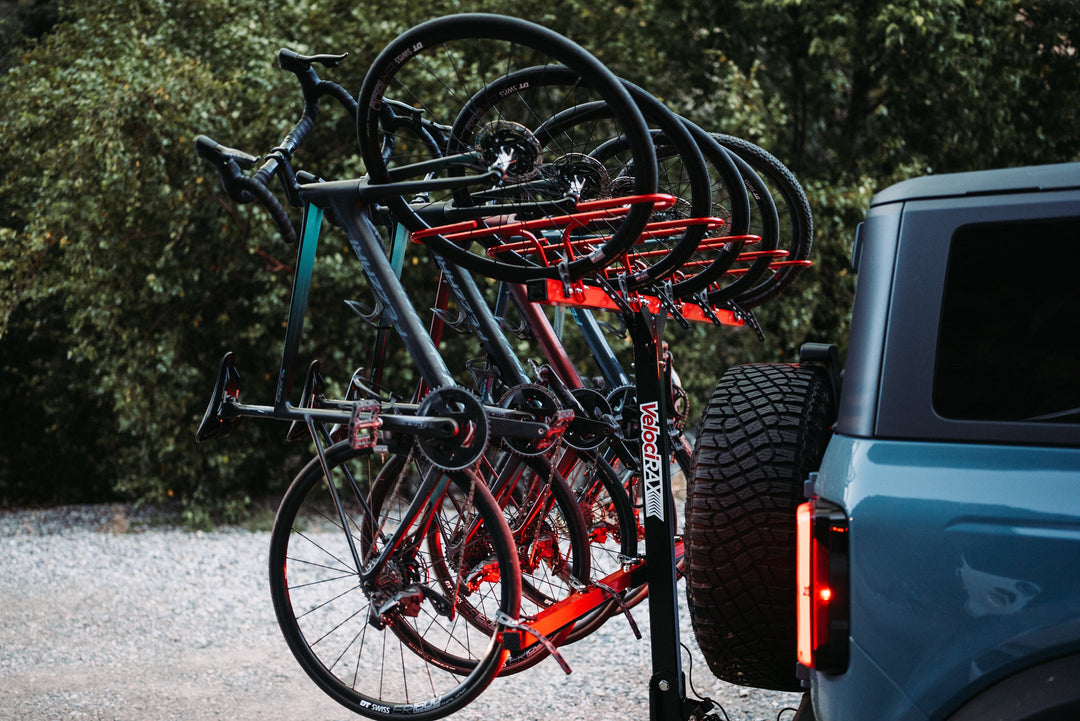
(108, 615)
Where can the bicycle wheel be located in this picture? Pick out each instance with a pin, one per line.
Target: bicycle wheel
(390, 645)
(737, 189)
(548, 529)
(796, 222)
(750, 265)
(586, 143)
(611, 526)
(435, 68)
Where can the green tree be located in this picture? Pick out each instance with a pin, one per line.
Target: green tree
(125, 272)
(868, 88)
(119, 260)
(855, 95)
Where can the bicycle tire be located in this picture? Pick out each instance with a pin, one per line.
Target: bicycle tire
(579, 131)
(326, 616)
(474, 49)
(765, 224)
(721, 279)
(796, 221)
(730, 201)
(612, 529)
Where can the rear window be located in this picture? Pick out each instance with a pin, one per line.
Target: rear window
(1009, 341)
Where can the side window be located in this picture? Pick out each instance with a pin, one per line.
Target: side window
(1009, 340)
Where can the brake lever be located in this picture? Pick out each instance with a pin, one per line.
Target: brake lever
(230, 164)
(219, 154)
(294, 62)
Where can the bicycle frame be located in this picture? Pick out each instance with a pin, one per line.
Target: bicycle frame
(610, 367)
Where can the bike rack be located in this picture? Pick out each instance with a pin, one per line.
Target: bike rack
(645, 317)
(552, 292)
(667, 686)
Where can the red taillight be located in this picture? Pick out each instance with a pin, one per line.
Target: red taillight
(822, 584)
(804, 601)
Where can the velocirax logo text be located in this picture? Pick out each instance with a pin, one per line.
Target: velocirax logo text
(650, 461)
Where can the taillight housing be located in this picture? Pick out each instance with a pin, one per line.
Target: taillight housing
(822, 585)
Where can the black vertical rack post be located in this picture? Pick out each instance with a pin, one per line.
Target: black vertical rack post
(645, 316)
(667, 686)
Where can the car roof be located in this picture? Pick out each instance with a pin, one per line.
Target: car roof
(1028, 179)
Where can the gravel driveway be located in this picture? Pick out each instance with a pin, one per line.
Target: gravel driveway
(107, 616)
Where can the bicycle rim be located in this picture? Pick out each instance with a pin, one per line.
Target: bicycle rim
(753, 261)
(796, 223)
(435, 68)
(732, 200)
(393, 647)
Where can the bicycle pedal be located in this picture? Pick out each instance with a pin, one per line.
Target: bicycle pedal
(215, 424)
(560, 421)
(364, 424)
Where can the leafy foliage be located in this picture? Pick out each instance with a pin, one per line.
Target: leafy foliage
(125, 272)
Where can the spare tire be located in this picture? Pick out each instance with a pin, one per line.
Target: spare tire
(762, 433)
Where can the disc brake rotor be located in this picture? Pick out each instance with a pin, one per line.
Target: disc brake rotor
(582, 175)
(501, 138)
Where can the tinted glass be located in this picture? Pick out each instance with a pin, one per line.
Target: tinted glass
(1009, 342)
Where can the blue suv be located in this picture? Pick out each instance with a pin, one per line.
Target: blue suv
(934, 572)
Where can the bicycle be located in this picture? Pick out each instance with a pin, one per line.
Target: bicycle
(418, 551)
(677, 145)
(389, 558)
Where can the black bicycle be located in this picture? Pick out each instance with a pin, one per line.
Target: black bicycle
(398, 586)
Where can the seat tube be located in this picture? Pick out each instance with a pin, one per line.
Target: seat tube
(305, 262)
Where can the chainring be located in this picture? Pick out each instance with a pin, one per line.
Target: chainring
(585, 434)
(468, 446)
(537, 401)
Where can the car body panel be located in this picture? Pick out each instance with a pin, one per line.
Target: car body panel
(963, 568)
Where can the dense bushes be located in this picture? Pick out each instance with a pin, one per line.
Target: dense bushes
(125, 273)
